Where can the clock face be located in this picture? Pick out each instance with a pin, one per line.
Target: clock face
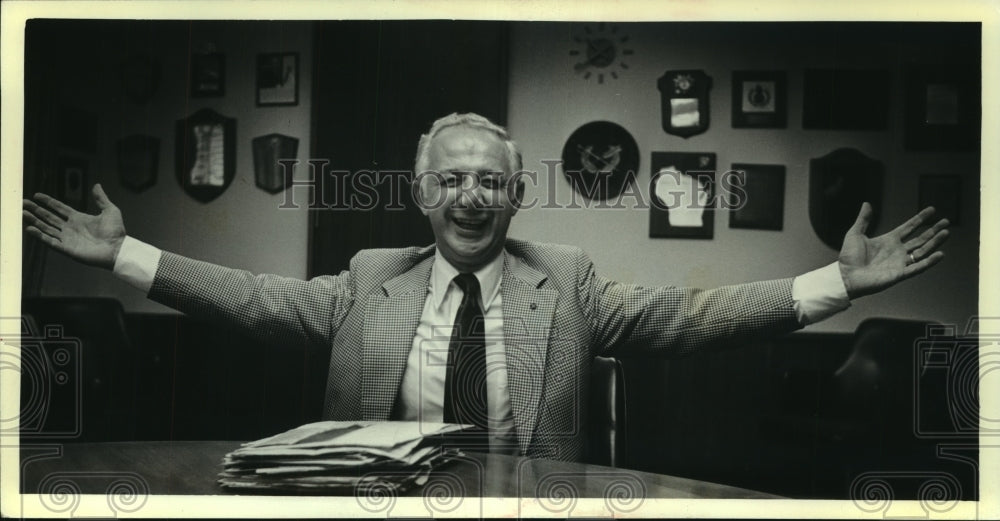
(600, 52)
(600, 159)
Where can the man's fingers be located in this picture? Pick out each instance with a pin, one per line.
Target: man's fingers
(914, 222)
(48, 217)
(47, 239)
(39, 224)
(931, 245)
(928, 234)
(55, 205)
(864, 217)
(922, 264)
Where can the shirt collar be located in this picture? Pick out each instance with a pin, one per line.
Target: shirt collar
(443, 273)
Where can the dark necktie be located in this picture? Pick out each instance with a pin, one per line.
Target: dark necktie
(465, 380)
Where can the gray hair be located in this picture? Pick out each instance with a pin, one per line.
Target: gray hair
(468, 120)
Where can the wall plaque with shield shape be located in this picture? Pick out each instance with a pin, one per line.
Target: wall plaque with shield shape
(138, 159)
(682, 192)
(268, 152)
(839, 183)
(684, 102)
(206, 154)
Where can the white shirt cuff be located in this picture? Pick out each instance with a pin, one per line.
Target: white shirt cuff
(819, 294)
(136, 263)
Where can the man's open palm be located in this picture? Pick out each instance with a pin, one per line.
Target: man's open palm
(90, 239)
(869, 265)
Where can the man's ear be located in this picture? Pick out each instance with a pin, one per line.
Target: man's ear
(421, 194)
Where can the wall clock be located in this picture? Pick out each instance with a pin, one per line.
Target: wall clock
(599, 52)
(599, 159)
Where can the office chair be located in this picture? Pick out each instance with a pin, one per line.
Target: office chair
(606, 428)
(86, 352)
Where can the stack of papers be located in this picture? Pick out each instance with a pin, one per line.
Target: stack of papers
(340, 457)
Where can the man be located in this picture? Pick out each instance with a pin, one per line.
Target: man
(540, 312)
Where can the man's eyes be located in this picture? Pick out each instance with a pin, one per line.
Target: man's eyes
(488, 182)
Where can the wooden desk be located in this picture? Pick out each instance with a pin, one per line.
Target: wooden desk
(190, 467)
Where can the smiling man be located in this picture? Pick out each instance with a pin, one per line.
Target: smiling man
(480, 328)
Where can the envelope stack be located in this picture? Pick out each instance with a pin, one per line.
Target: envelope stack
(338, 457)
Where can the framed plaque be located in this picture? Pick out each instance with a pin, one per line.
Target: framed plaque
(759, 99)
(208, 75)
(761, 203)
(277, 79)
(942, 108)
(682, 195)
(845, 99)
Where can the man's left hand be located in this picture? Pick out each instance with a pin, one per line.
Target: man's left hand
(869, 265)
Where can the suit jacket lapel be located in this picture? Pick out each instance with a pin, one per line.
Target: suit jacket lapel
(390, 324)
(527, 319)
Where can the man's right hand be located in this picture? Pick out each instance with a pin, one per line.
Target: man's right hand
(90, 239)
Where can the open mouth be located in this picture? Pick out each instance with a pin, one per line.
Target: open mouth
(471, 225)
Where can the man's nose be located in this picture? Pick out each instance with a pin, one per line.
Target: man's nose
(471, 192)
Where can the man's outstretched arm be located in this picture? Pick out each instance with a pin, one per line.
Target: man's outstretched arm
(274, 309)
(680, 320)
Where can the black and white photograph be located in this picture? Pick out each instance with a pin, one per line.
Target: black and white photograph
(415, 263)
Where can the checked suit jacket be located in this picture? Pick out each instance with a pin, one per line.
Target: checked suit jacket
(558, 314)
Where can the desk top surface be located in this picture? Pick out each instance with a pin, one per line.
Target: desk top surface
(190, 468)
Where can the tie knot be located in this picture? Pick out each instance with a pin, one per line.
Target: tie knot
(469, 284)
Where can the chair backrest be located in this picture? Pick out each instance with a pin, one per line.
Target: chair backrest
(606, 427)
(85, 350)
(876, 382)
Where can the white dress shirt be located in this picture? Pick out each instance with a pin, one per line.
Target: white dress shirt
(817, 295)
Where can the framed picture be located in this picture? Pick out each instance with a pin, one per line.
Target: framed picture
(759, 99)
(682, 192)
(944, 193)
(208, 75)
(942, 108)
(72, 179)
(761, 203)
(205, 154)
(845, 99)
(277, 79)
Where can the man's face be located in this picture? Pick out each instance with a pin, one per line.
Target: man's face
(467, 201)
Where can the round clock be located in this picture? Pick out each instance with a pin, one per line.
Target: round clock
(600, 159)
(599, 52)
